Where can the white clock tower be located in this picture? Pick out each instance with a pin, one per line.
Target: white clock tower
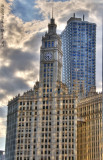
(50, 57)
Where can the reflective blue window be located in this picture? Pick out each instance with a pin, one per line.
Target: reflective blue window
(79, 53)
(45, 44)
(52, 43)
(49, 44)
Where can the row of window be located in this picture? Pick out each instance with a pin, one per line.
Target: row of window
(26, 103)
(48, 70)
(47, 158)
(49, 44)
(48, 79)
(48, 65)
(48, 90)
(48, 74)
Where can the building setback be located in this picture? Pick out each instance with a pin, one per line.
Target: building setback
(79, 47)
(42, 123)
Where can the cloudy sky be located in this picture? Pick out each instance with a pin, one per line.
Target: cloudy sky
(25, 22)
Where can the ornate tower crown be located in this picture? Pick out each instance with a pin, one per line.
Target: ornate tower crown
(52, 26)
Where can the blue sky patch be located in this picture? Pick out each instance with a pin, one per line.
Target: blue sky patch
(25, 9)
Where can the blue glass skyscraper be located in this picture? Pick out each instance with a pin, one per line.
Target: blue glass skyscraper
(79, 51)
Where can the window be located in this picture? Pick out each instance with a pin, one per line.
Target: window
(49, 44)
(57, 128)
(58, 91)
(44, 70)
(20, 103)
(52, 43)
(45, 44)
(63, 101)
(57, 123)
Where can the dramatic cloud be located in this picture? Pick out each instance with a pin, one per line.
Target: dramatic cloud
(21, 8)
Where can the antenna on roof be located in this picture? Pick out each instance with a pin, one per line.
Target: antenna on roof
(52, 11)
(83, 17)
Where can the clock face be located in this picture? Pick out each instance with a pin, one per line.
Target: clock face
(48, 56)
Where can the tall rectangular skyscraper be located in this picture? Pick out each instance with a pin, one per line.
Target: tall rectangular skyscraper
(79, 48)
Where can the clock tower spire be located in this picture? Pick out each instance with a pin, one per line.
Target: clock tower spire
(52, 26)
(52, 12)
